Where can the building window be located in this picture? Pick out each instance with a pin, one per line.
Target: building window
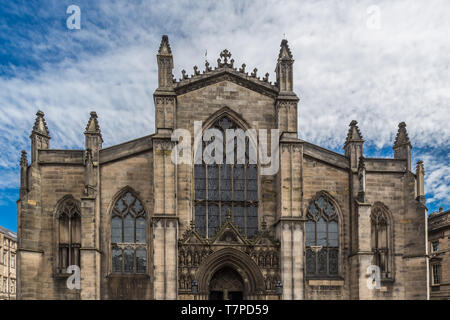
(13, 260)
(222, 188)
(322, 239)
(69, 235)
(436, 274)
(380, 239)
(5, 285)
(435, 246)
(129, 235)
(5, 257)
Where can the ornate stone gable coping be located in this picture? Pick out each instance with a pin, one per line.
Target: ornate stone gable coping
(225, 70)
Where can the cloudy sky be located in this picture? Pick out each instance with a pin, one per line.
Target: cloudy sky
(379, 62)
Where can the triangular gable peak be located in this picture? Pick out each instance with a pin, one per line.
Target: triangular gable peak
(191, 236)
(228, 233)
(225, 71)
(265, 239)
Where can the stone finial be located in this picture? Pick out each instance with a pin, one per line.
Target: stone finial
(228, 215)
(92, 125)
(284, 69)
(253, 74)
(93, 136)
(402, 146)
(402, 136)
(354, 144)
(165, 65)
(184, 75)
(353, 133)
(23, 159)
(192, 224)
(207, 66)
(266, 77)
(222, 62)
(40, 126)
(420, 181)
(196, 71)
(164, 47)
(285, 51)
(40, 137)
(242, 69)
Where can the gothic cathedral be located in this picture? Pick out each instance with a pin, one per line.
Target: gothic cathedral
(141, 226)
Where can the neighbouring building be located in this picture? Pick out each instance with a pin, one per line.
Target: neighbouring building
(141, 226)
(8, 246)
(439, 248)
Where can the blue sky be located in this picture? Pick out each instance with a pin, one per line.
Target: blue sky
(345, 68)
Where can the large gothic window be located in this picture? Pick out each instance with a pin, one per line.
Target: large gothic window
(380, 241)
(129, 235)
(69, 234)
(322, 239)
(226, 187)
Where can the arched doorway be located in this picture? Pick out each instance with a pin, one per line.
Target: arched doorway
(233, 268)
(226, 284)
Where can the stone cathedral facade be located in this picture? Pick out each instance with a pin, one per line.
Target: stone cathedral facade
(140, 226)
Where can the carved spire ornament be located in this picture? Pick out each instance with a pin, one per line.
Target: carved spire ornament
(402, 146)
(354, 134)
(354, 144)
(402, 136)
(40, 126)
(222, 62)
(40, 137)
(165, 64)
(93, 135)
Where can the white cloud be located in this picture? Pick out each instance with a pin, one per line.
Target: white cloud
(343, 70)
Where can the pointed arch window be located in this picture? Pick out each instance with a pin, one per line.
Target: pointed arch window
(69, 234)
(380, 240)
(129, 235)
(222, 187)
(322, 239)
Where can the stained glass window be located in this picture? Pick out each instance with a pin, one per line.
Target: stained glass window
(219, 187)
(69, 234)
(129, 235)
(322, 239)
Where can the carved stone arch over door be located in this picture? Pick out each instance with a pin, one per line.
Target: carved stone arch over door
(239, 262)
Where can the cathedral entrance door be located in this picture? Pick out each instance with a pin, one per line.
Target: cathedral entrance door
(226, 284)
